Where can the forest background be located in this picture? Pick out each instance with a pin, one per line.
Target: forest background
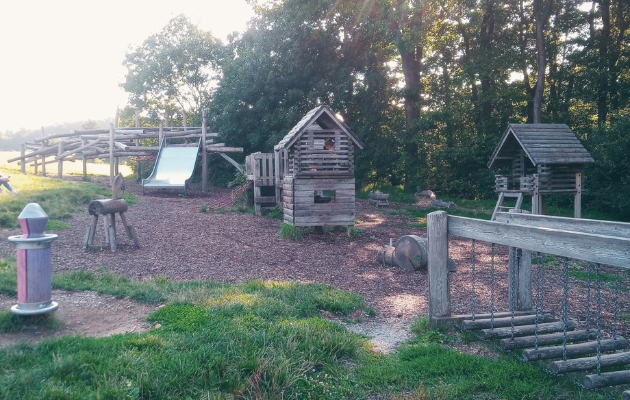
(429, 86)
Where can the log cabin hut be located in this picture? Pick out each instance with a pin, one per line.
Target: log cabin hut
(546, 159)
(312, 171)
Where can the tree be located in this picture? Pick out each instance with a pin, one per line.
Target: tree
(173, 70)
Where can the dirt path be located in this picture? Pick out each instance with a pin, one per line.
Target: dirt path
(181, 243)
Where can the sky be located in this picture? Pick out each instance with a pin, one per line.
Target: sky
(61, 60)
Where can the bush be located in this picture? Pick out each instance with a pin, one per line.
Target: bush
(290, 232)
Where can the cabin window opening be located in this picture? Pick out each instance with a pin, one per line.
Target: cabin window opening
(324, 196)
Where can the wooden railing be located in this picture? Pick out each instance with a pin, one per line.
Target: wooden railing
(601, 242)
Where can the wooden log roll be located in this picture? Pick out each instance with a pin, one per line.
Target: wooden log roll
(546, 340)
(526, 330)
(545, 353)
(503, 322)
(385, 256)
(104, 207)
(583, 364)
(607, 379)
(625, 395)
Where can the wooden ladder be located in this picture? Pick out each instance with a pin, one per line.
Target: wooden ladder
(550, 341)
(500, 207)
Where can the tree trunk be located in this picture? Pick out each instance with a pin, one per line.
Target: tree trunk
(602, 91)
(487, 37)
(542, 12)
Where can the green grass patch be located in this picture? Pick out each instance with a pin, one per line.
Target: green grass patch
(263, 340)
(396, 193)
(275, 213)
(59, 199)
(54, 225)
(290, 232)
(12, 323)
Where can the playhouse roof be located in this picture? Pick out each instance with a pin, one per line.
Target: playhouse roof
(542, 143)
(325, 119)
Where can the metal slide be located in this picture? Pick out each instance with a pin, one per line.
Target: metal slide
(174, 167)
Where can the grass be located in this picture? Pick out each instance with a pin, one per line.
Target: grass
(263, 340)
(290, 232)
(12, 323)
(59, 198)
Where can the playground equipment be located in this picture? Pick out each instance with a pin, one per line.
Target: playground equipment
(310, 174)
(114, 143)
(173, 168)
(379, 199)
(546, 159)
(33, 263)
(528, 324)
(410, 253)
(108, 209)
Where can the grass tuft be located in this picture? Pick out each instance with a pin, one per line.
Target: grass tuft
(290, 232)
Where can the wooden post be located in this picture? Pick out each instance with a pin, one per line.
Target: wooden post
(60, 162)
(204, 154)
(439, 293)
(257, 191)
(166, 117)
(83, 143)
(22, 152)
(116, 119)
(160, 134)
(137, 118)
(111, 153)
(577, 206)
(184, 122)
(522, 286)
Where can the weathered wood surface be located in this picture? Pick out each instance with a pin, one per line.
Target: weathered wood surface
(608, 228)
(607, 379)
(505, 321)
(525, 330)
(439, 293)
(587, 363)
(411, 253)
(458, 318)
(546, 340)
(614, 251)
(545, 353)
(103, 207)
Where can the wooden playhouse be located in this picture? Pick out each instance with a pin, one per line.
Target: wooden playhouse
(545, 159)
(310, 174)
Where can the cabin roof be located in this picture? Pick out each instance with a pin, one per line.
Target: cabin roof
(322, 116)
(542, 144)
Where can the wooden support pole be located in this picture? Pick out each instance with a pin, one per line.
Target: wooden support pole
(83, 143)
(577, 204)
(111, 153)
(522, 286)
(112, 233)
(60, 162)
(439, 291)
(184, 122)
(204, 155)
(117, 117)
(137, 118)
(160, 134)
(546, 340)
(106, 226)
(607, 379)
(545, 353)
(22, 152)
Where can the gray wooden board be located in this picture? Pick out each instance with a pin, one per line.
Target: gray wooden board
(603, 249)
(333, 219)
(608, 228)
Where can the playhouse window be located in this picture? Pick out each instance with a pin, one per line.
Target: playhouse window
(324, 196)
(324, 144)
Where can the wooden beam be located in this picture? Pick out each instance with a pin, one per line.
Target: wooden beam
(234, 163)
(546, 340)
(525, 330)
(204, 155)
(607, 379)
(614, 251)
(584, 364)
(224, 149)
(545, 353)
(505, 321)
(439, 293)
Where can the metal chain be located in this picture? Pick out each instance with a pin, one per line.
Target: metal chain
(473, 280)
(512, 289)
(565, 300)
(599, 308)
(616, 305)
(492, 247)
(588, 298)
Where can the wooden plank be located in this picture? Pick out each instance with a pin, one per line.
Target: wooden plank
(505, 321)
(607, 228)
(603, 249)
(607, 379)
(545, 353)
(439, 293)
(546, 340)
(584, 364)
(526, 330)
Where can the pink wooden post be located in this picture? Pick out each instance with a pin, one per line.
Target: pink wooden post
(33, 263)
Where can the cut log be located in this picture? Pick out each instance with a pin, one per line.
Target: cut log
(385, 256)
(607, 379)
(526, 330)
(102, 207)
(503, 322)
(625, 395)
(546, 340)
(583, 364)
(545, 353)
(411, 253)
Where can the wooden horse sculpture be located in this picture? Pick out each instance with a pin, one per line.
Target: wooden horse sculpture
(108, 209)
